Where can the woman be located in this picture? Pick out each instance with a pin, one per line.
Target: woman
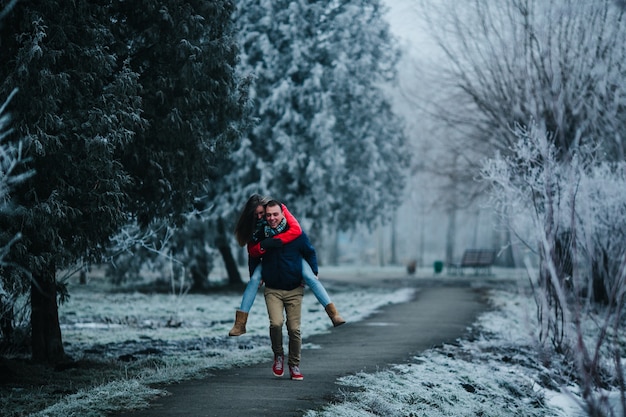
(251, 230)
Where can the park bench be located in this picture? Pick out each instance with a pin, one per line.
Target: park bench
(479, 259)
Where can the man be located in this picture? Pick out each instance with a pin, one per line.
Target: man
(282, 274)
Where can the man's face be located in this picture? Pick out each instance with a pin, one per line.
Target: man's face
(259, 212)
(273, 215)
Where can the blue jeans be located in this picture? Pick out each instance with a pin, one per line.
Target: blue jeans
(251, 289)
(309, 279)
(314, 284)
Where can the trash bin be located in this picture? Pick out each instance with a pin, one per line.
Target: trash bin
(438, 265)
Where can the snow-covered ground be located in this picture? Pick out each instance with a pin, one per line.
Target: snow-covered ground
(496, 373)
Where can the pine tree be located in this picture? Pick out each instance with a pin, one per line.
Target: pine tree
(325, 139)
(184, 53)
(119, 120)
(370, 135)
(75, 107)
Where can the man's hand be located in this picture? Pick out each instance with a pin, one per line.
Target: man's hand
(271, 243)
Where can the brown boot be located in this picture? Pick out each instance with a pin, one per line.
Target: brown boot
(239, 328)
(332, 312)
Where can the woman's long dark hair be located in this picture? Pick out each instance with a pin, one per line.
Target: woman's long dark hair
(247, 219)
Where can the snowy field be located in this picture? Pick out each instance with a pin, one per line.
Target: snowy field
(497, 373)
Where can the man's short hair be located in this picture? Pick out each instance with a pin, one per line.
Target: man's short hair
(273, 203)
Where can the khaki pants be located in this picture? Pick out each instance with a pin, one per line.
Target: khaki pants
(290, 302)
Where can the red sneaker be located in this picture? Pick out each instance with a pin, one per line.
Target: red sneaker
(296, 375)
(278, 367)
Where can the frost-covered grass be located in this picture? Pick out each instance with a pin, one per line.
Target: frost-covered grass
(126, 343)
(500, 373)
(123, 343)
(494, 375)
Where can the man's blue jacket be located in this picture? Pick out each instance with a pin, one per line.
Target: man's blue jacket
(282, 267)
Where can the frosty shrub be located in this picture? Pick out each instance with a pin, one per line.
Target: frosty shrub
(569, 209)
(180, 257)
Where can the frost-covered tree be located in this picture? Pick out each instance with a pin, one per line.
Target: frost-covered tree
(75, 108)
(582, 200)
(558, 64)
(121, 108)
(196, 113)
(325, 139)
(362, 57)
(184, 52)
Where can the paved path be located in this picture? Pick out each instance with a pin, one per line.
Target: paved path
(438, 314)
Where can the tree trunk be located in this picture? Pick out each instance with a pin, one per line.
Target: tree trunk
(381, 245)
(450, 235)
(83, 274)
(6, 321)
(47, 345)
(501, 237)
(242, 260)
(420, 259)
(599, 272)
(199, 269)
(333, 242)
(508, 260)
(221, 242)
(475, 234)
(393, 260)
(563, 259)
